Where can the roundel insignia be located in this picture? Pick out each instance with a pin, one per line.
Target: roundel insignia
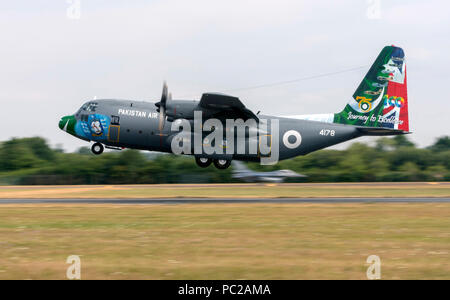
(96, 127)
(294, 144)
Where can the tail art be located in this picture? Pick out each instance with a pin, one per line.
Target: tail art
(381, 99)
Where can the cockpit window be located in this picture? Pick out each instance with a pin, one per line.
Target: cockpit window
(87, 107)
(91, 107)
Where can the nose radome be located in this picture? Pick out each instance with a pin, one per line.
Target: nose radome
(67, 123)
(63, 122)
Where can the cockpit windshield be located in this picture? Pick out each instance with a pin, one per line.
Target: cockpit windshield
(87, 107)
(91, 107)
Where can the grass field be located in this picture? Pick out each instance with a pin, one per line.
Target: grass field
(351, 190)
(226, 241)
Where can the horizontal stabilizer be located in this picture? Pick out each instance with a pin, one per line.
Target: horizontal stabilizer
(380, 131)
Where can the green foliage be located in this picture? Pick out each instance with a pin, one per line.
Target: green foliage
(442, 144)
(32, 161)
(39, 148)
(402, 141)
(16, 155)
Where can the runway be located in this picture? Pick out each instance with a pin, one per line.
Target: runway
(224, 200)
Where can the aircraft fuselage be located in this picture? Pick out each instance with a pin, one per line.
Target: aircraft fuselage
(135, 125)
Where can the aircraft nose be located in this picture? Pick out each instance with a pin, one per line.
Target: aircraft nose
(67, 123)
(61, 123)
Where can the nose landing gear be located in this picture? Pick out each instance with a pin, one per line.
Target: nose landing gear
(97, 148)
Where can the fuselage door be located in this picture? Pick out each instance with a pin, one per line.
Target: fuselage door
(114, 129)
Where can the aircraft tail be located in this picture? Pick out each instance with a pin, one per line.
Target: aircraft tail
(381, 100)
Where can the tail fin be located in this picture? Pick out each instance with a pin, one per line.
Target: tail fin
(381, 99)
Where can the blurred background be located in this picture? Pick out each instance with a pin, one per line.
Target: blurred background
(32, 161)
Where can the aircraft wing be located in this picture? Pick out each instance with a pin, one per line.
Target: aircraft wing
(225, 105)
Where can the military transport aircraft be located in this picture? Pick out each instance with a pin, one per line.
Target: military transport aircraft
(240, 171)
(378, 107)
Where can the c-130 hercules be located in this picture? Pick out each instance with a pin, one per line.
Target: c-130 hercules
(219, 128)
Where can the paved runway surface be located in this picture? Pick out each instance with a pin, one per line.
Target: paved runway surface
(211, 200)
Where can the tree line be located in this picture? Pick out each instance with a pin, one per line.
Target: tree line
(31, 161)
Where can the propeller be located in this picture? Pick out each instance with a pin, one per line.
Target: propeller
(162, 105)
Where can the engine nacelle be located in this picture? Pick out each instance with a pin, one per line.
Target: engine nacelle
(181, 109)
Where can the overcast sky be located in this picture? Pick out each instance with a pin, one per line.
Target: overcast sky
(51, 61)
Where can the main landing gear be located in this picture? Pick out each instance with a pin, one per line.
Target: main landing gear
(203, 162)
(97, 148)
(220, 164)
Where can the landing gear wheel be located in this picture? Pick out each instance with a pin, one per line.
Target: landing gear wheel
(203, 162)
(97, 148)
(222, 164)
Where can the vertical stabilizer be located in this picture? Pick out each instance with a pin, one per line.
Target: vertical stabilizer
(381, 100)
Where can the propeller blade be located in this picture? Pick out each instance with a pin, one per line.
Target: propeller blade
(162, 118)
(162, 106)
(164, 94)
